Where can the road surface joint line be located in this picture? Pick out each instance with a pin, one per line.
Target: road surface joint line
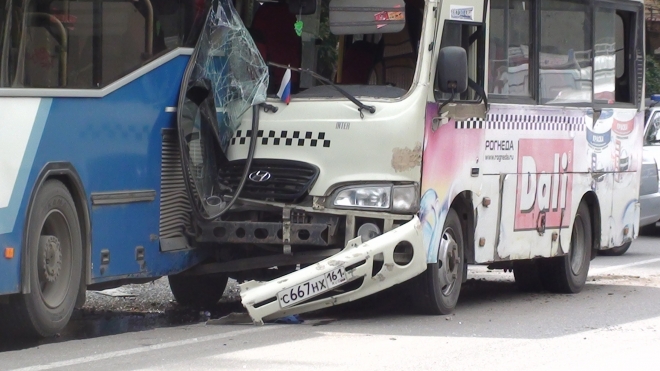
(622, 266)
(128, 352)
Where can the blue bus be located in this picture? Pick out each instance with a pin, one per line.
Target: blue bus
(91, 190)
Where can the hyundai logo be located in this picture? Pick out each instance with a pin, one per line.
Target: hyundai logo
(259, 176)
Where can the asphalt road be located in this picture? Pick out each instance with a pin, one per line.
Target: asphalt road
(613, 324)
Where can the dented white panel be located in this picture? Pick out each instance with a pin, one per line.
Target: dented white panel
(358, 261)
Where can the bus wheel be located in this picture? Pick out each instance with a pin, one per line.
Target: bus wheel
(54, 240)
(198, 291)
(568, 273)
(436, 290)
(616, 251)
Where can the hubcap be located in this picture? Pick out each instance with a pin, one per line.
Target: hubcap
(51, 257)
(54, 259)
(449, 262)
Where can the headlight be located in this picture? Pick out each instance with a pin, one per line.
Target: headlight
(405, 198)
(377, 197)
(398, 198)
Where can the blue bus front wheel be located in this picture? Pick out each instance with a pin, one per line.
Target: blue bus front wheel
(54, 266)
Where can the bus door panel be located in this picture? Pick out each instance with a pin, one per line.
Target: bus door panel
(627, 131)
(490, 218)
(601, 166)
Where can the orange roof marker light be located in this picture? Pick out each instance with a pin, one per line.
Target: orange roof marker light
(9, 253)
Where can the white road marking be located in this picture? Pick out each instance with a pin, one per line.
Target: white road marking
(622, 266)
(127, 352)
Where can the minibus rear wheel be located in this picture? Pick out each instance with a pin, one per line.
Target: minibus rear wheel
(568, 273)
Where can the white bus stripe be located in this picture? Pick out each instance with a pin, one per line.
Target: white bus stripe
(23, 121)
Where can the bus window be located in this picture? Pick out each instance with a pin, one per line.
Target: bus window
(381, 64)
(565, 52)
(34, 46)
(605, 56)
(612, 51)
(508, 48)
(57, 46)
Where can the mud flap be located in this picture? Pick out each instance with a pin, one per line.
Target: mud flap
(263, 300)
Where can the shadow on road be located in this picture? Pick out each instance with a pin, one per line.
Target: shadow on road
(89, 323)
(487, 308)
(495, 308)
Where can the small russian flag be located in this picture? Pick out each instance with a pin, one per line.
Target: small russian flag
(285, 88)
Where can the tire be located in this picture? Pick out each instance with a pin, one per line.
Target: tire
(526, 274)
(54, 241)
(436, 290)
(568, 273)
(616, 251)
(198, 291)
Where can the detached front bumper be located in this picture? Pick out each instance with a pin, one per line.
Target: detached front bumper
(357, 258)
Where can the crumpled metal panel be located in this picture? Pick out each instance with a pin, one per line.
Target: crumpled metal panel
(260, 298)
(226, 76)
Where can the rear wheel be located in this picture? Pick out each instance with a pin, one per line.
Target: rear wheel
(616, 251)
(568, 273)
(436, 290)
(54, 241)
(198, 291)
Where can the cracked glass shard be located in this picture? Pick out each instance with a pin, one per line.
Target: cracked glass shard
(226, 75)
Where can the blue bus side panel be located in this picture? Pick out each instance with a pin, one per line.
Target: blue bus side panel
(114, 143)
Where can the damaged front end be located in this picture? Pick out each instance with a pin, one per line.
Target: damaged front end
(256, 217)
(361, 269)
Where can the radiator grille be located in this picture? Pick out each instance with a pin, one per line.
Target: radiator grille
(174, 203)
(288, 181)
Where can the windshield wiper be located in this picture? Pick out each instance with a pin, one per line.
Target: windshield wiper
(361, 106)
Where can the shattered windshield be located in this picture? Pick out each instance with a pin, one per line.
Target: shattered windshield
(225, 77)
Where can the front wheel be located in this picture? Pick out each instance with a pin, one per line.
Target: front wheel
(568, 273)
(436, 290)
(198, 291)
(54, 241)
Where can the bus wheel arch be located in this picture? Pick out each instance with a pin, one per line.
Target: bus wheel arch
(464, 206)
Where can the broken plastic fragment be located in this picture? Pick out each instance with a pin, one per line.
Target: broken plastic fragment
(290, 320)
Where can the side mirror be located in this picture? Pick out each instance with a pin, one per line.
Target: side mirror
(451, 73)
(302, 7)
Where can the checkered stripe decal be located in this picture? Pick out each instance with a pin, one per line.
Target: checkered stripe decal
(284, 138)
(524, 122)
(471, 124)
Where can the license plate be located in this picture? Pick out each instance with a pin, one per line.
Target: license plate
(311, 288)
